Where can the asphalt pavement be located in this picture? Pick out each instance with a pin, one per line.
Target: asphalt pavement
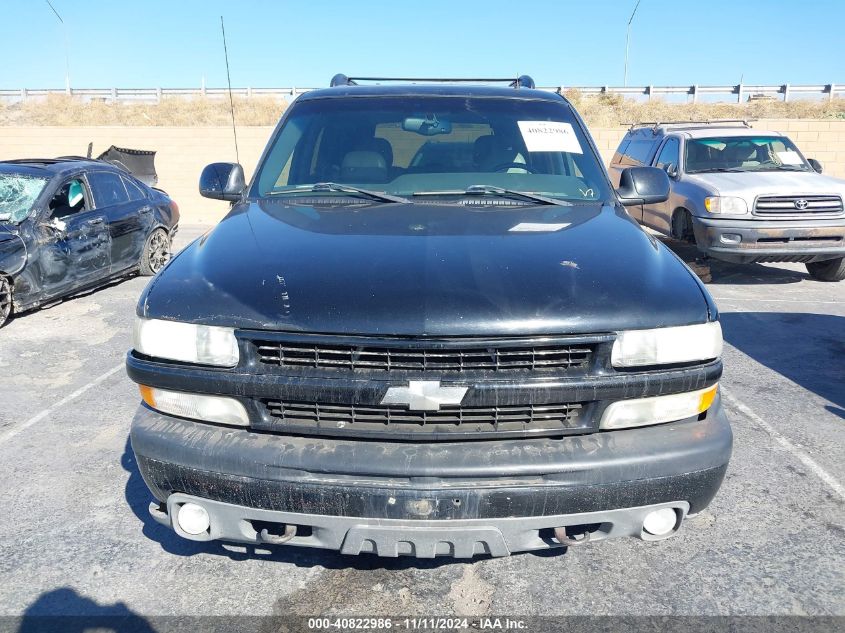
(75, 536)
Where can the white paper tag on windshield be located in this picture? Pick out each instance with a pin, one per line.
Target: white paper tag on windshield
(538, 227)
(549, 136)
(790, 157)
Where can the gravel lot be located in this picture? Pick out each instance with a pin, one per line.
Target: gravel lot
(75, 537)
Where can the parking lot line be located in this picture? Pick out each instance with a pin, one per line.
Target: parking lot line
(69, 398)
(805, 459)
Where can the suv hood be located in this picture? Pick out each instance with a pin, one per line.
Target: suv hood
(428, 270)
(749, 185)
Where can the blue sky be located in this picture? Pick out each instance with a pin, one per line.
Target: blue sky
(175, 43)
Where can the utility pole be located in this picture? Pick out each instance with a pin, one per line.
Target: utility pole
(627, 40)
(67, 56)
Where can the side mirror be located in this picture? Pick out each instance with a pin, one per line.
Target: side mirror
(816, 165)
(671, 170)
(222, 181)
(643, 185)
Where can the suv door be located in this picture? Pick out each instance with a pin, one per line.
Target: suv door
(659, 216)
(74, 245)
(126, 218)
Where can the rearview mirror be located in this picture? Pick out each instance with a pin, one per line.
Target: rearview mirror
(816, 165)
(429, 125)
(222, 181)
(643, 185)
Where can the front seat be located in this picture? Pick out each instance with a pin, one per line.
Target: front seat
(491, 152)
(363, 166)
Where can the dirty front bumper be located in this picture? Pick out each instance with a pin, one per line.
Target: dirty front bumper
(746, 241)
(458, 499)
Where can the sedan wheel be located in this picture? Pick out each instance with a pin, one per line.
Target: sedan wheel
(5, 300)
(156, 253)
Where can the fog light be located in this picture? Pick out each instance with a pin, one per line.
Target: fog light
(660, 522)
(196, 406)
(194, 519)
(731, 238)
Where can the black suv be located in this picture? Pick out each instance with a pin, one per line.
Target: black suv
(428, 326)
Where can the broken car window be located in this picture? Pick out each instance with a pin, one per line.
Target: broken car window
(18, 192)
(69, 199)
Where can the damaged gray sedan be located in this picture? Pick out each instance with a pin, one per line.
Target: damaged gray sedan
(68, 225)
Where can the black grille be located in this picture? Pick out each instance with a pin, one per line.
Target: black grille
(796, 205)
(450, 359)
(447, 423)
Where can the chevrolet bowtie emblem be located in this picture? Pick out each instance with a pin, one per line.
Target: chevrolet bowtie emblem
(424, 395)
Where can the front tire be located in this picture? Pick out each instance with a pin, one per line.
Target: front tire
(682, 226)
(5, 300)
(156, 253)
(830, 270)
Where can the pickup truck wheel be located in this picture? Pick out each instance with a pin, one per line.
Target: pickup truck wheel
(156, 252)
(5, 300)
(830, 270)
(682, 226)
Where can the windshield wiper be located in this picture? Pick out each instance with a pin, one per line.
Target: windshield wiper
(485, 190)
(720, 170)
(379, 196)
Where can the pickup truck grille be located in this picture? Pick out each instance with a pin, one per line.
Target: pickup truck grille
(447, 423)
(343, 357)
(796, 205)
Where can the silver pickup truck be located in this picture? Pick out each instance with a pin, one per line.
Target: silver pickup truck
(740, 194)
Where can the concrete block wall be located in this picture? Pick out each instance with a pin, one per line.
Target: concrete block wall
(182, 152)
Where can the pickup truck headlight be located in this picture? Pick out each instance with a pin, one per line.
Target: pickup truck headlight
(667, 346)
(186, 342)
(725, 204)
(626, 414)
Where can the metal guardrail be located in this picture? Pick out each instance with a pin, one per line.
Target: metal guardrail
(152, 95)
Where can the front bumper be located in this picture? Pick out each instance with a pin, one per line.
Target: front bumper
(458, 499)
(747, 241)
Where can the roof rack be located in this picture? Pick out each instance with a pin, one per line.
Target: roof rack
(655, 125)
(523, 81)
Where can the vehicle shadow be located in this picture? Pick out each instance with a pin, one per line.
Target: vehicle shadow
(64, 610)
(138, 498)
(77, 295)
(806, 348)
(733, 274)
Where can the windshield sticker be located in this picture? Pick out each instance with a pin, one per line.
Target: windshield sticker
(549, 136)
(789, 157)
(538, 227)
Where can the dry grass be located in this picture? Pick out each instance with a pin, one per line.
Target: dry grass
(67, 111)
(598, 110)
(610, 110)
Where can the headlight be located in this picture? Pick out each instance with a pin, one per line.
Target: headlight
(667, 346)
(625, 414)
(186, 342)
(196, 406)
(725, 204)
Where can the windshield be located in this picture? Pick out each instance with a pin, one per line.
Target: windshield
(18, 193)
(409, 146)
(743, 153)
